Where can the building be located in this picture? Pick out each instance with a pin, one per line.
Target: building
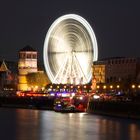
(8, 75)
(99, 71)
(116, 69)
(27, 64)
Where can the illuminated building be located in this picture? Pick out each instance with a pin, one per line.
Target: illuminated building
(99, 71)
(116, 69)
(27, 64)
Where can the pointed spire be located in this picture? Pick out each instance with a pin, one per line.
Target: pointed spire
(3, 67)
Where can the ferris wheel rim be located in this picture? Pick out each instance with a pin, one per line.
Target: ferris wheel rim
(56, 22)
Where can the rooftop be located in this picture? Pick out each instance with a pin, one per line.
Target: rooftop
(27, 48)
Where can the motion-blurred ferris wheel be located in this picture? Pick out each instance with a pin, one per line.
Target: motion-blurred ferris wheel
(69, 50)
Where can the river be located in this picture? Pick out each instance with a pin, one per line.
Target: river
(29, 124)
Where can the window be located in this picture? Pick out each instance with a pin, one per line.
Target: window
(22, 55)
(112, 62)
(28, 55)
(34, 56)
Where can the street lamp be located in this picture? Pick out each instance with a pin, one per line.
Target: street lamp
(118, 86)
(104, 87)
(98, 87)
(133, 86)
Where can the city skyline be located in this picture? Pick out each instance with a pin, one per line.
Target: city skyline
(116, 25)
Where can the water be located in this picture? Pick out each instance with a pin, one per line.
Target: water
(25, 124)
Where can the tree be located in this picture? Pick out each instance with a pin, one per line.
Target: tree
(39, 79)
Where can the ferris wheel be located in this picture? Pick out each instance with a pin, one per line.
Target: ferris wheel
(70, 48)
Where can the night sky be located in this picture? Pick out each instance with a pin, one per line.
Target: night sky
(116, 24)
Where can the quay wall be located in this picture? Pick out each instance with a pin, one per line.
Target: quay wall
(27, 102)
(115, 108)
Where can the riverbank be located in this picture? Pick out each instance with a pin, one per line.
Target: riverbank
(27, 102)
(109, 108)
(117, 109)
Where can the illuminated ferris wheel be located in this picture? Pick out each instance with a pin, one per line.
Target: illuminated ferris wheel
(69, 50)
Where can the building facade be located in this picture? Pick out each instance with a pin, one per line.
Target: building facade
(117, 69)
(27, 64)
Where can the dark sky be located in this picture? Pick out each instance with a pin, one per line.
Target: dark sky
(116, 24)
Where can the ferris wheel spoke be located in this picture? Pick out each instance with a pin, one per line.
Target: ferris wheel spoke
(80, 68)
(60, 70)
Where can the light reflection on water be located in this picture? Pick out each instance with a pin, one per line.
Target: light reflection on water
(23, 124)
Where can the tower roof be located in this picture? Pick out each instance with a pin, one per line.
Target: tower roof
(28, 48)
(3, 67)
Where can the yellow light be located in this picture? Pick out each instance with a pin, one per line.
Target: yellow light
(98, 86)
(133, 86)
(57, 86)
(111, 86)
(43, 88)
(104, 87)
(78, 86)
(118, 86)
(64, 86)
(138, 86)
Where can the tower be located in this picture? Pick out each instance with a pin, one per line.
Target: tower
(27, 64)
(3, 75)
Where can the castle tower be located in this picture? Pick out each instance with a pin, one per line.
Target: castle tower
(27, 64)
